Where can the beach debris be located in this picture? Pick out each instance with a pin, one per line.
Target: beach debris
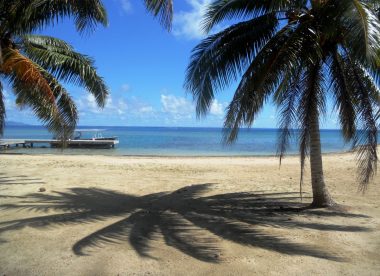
(42, 189)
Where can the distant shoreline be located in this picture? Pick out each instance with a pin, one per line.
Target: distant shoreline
(5, 152)
(16, 124)
(2, 152)
(178, 142)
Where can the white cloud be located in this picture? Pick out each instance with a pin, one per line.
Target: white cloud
(125, 87)
(122, 104)
(217, 108)
(135, 107)
(126, 5)
(176, 105)
(139, 108)
(90, 102)
(188, 24)
(181, 108)
(146, 109)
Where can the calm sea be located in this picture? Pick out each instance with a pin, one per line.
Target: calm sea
(177, 141)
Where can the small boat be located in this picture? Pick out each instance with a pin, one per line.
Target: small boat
(88, 138)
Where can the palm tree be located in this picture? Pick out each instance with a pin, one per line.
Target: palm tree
(298, 53)
(34, 65)
(163, 10)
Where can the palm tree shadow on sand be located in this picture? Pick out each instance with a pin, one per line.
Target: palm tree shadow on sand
(8, 181)
(187, 221)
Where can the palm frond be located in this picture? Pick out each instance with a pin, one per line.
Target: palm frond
(43, 41)
(221, 58)
(280, 55)
(25, 71)
(221, 10)
(65, 104)
(362, 35)
(374, 5)
(28, 16)
(366, 103)
(343, 95)
(163, 10)
(286, 98)
(1, 55)
(44, 109)
(2, 110)
(65, 64)
(35, 88)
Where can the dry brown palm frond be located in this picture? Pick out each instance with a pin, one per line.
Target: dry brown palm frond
(26, 71)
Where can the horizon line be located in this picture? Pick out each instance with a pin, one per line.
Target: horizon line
(139, 126)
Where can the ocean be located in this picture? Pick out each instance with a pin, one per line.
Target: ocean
(177, 141)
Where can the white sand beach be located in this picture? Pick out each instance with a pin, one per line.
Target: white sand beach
(104, 215)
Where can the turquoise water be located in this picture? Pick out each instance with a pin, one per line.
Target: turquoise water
(172, 141)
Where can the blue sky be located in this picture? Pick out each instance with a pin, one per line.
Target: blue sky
(144, 68)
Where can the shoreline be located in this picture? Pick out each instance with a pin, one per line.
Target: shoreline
(173, 156)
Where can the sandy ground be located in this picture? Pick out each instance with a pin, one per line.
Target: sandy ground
(181, 216)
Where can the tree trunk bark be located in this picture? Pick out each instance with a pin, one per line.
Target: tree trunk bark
(321, 196)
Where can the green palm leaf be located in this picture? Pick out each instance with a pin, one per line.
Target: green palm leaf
(44, 109)
(35, 64)
(28, 16)
(221, 10)
(287, 100)
(221, 58)
(363, 32)
(65, 64)
(36, 88)
(65, 104)
(343, 95)
(162, 9)
(2, 110)
(366, 107)
(282, 54)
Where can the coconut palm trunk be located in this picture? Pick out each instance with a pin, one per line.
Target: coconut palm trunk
(321, 196)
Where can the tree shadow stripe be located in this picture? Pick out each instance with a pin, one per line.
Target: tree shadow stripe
(187, 221)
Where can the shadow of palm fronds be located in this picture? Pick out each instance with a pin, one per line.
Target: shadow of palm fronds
(6, 182)
(186, 220)
(18, 180)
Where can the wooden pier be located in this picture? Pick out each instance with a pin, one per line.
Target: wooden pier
(86, 143)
